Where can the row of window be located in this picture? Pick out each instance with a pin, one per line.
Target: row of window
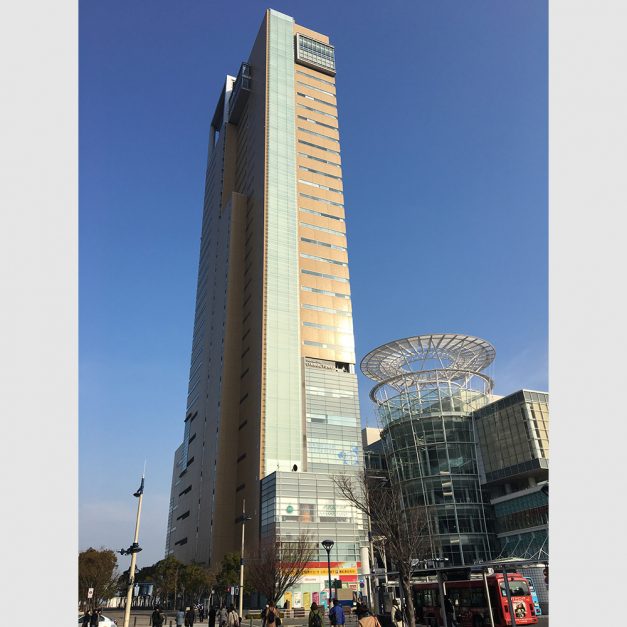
(336, 312)
(326, 276)
(325, 161)
(318, 100)
(325, 187)
(322, 91)
(327, 346)
(315, 290)
(323, 229)
(331, 139)
(328, 202)
(329, 115)
(324, 259)
(320, 213)
(315, 78)
(319, 243)
(312, 121)
(331, 176)
(324, 327)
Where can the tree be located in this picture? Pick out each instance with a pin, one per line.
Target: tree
(278, 565)
(195, 582)
(228, 574)
(405, 529)
(166, 574)
(97, 569)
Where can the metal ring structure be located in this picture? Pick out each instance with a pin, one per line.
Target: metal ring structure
(449, 351)
(422, 378)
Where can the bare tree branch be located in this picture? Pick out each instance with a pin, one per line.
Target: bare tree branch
(405, 529)
(279, 564)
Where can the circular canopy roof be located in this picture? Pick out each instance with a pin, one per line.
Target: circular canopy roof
(428, 352)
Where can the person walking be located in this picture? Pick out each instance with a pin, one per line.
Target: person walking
(180, 617)
(336, 614)
(366, 619)
(232, 618)
(86, 618)
(271, 615)
(223, 616)
(315, 616)
(397, 614)
(449, 609)
(190, 615)
(157, 617)
(93, 619)
(212, 616)
(264, 615)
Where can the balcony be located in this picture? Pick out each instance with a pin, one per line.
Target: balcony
(240, 93)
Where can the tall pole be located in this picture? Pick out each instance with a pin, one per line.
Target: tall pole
(241, 562)
(487, 596)
(329, 567)
(509, 596)
(133, 551)
(372, 586)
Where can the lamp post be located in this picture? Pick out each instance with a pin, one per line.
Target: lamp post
(242, 519)
(133, 550)
(328, 545)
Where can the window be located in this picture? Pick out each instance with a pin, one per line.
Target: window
(516, 589)
(319, 243)
(181, 542)
(337, 263)
(325, 276)
(315, 53)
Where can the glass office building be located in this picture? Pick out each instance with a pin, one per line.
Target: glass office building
(272, 412)
(427, 389)
(513, 436)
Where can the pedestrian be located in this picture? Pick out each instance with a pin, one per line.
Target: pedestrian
(449, 609)
(366, 619)
(180, 617)
(336, 614)
(86, 618)
(190, 615)
(397, 614)
(264, 615)
(272, 615)
(212, 616)
(201, 613)
(223, 616)
(232, 618)
(157, 617)
(315, 616)
(95, 617)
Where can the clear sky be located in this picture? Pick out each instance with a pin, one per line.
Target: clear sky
(443, 122)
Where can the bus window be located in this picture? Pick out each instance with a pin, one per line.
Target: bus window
(477, 598)
(516, 589)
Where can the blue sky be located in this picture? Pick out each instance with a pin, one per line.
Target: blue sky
(443, 123)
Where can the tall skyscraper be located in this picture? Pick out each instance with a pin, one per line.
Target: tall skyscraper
(272, 409)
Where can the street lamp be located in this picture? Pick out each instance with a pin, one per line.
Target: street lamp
(242, 519)
(133, 550)
(328, 545)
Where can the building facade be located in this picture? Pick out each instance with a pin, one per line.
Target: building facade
(513, 436)
(272, 409)
(427, 390)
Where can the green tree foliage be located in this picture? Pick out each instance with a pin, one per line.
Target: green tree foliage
(196, 582)
(97, 569)
(166, 576)
(228, 574)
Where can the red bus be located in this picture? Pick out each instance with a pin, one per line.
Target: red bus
(471, 606)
